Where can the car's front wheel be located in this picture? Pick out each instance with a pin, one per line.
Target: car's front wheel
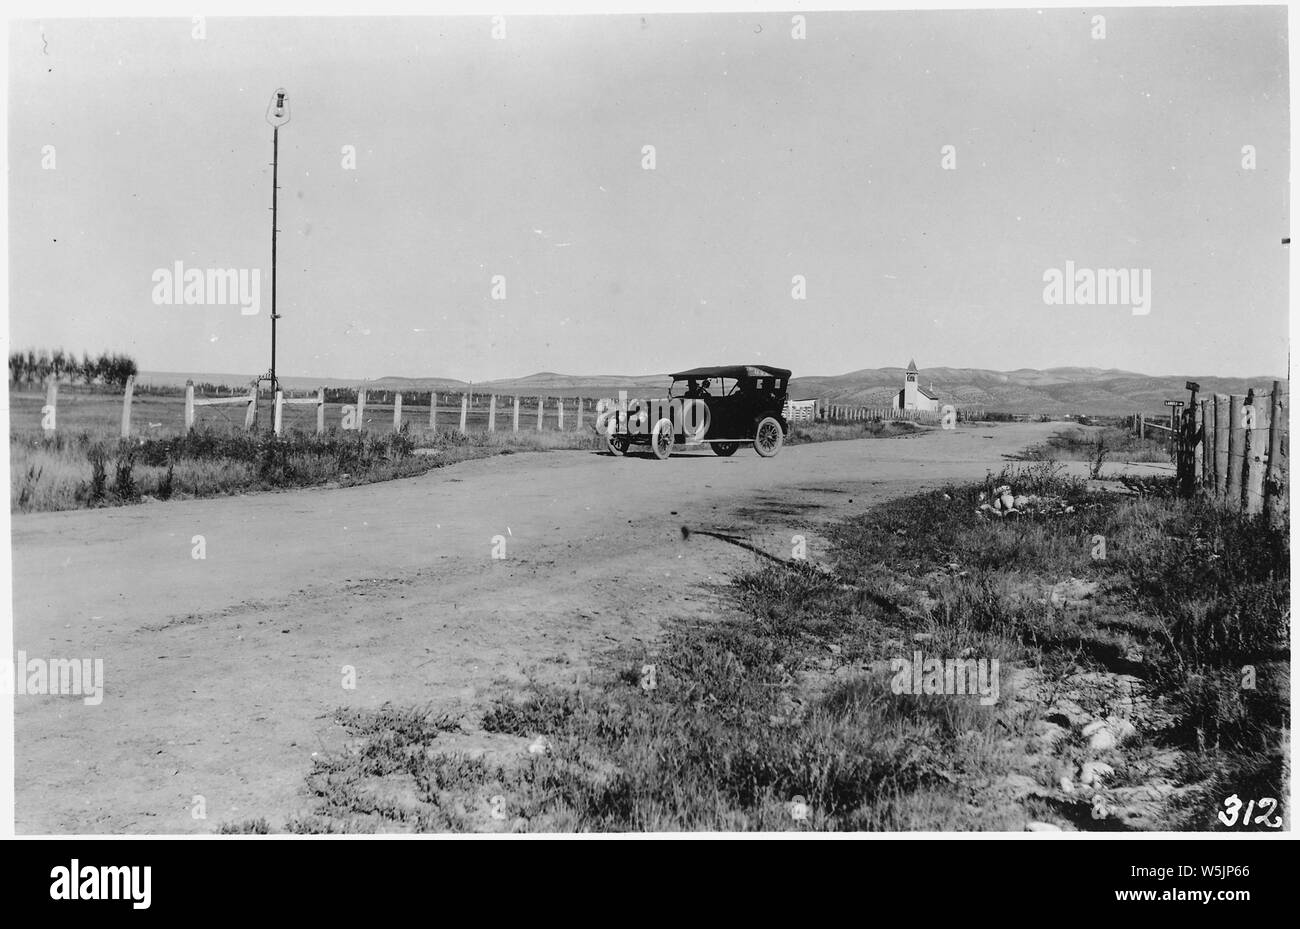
(661, 439)
(725, 449)
(769, 436)
(617, 445)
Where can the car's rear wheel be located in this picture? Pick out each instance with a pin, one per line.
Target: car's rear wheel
(661, 439)
(768, 437)
(725, 449)
(617, 445)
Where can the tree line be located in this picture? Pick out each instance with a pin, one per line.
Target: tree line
(33, 367)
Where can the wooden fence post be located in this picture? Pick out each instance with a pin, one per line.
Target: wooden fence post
(560, 401)
(464, 412)
(433, 409)
(541, 410)
(1275, 489)
(277, 419)
(189, 407)
(320, 411)
(1222, 418)
(516, 412)
(49, 412)
(361, 408)
(577, 427)
(1252, 458)
(397, 411)
(1235, 440)
(492, 413)
(1217, 452)
(1206, 414)
(250, 412)
(126, 406)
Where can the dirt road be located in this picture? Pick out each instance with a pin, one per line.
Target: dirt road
(222, 672)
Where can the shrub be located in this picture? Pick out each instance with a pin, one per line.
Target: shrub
(124, 477)
(98, 475)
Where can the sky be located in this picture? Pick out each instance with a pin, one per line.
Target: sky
(798, 212)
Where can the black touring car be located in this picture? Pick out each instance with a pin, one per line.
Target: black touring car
(724, 407)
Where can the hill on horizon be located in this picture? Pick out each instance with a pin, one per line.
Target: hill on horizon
(1027, 390)
(1024, 390)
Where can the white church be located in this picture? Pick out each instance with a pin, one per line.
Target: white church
(913, 396)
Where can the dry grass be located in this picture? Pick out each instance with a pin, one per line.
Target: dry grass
(76, 471)
(834, 432)
(1088, 443)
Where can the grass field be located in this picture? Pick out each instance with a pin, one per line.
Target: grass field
(1139, 689)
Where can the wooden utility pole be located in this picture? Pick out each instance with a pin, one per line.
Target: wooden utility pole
(277, 114)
